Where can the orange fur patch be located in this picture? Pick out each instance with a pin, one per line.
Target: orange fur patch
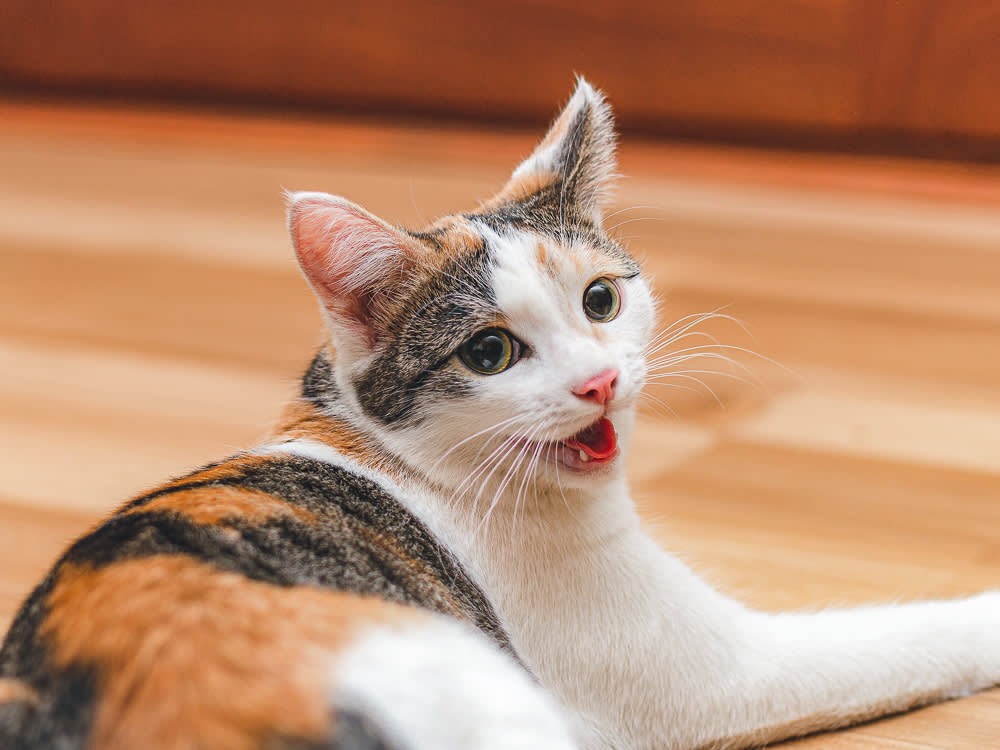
(542, 257)
(15, 690)
(189, 656)
(519, 188)
(302, 420)
(211, 505)
(229, 468)
(456, 236)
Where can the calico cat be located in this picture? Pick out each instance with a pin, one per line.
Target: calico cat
(436, 548)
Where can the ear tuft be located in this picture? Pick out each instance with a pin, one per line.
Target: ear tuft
(352, 259)
(577, 156)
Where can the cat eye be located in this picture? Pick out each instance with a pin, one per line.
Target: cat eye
(490, 351)
(601, 300)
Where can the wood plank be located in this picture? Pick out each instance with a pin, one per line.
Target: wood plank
(880, 425)
(724, 61)
(101, 425)
(847, 74)
(926, 71)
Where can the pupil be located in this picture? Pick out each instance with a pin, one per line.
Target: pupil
(599, 299)
(489, 351)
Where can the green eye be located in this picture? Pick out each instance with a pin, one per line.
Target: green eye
(490, 351)
(601, 300)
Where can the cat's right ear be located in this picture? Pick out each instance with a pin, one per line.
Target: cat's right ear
(353, 260)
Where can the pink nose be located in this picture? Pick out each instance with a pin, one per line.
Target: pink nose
(600, 389)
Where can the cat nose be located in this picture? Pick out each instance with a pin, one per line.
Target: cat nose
(600, 389)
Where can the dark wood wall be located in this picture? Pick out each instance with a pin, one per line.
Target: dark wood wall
(912, 75)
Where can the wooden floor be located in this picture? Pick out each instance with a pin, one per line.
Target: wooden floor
(151, 319)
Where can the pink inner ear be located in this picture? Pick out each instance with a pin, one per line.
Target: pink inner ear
(351, 258)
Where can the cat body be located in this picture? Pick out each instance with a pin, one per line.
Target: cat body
(275, 599)
(437, 547)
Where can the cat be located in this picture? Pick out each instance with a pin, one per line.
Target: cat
(436, 548)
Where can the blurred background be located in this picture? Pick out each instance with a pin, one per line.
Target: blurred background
(917, 77)
(823, 172)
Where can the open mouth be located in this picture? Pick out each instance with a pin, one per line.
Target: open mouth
(591, 448)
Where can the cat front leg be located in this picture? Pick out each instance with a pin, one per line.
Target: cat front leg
(807, 672)
(660, 660)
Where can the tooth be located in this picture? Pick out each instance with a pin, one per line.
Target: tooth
(584, 456)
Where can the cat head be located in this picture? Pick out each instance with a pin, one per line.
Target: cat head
(497, 347)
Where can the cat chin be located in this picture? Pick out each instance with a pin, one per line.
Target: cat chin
(559, 476)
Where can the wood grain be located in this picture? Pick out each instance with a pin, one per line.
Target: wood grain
(152, 319)
(931, 67)
(919, 76)
(511, 60)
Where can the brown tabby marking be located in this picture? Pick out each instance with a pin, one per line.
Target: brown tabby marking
(212, 505)
(15, 690)
(181, 649)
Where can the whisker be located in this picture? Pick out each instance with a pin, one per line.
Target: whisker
(613, 214)
(503, 484)
(696, 380)
(530, 473)
(660, 402)
(658, 368)
(462, 442)
(707, 348)
(413, 202)
(688, 322)
(526, 475)
(609, 230)
(562, 492)
(720, 373)
(493, 459)
(512, 441)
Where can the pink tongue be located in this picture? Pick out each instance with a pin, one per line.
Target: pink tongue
(597, 441)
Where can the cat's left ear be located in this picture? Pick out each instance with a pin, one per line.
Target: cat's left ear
(575, 162)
